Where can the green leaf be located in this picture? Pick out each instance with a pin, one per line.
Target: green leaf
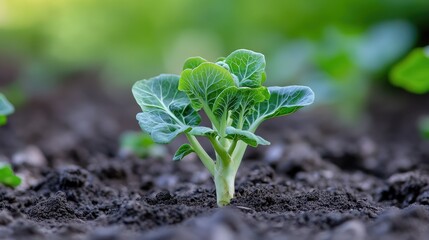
(226, 101)
(8, 177)
(193, 62)
(138, 143)
(248, 98)
(3, 120)
(240, 101)
(166, 111)
(183, 151)
(282, 101)
(204, 84)
(412, 73)
(248, 66)
(202, 131)
(245, 136)
(6, 107)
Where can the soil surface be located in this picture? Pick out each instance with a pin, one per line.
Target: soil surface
(318, 180)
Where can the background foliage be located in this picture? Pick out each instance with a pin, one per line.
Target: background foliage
(337, 47)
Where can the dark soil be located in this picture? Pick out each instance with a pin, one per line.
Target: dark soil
(317, 180)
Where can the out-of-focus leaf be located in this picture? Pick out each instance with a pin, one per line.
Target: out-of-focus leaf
(245, 136)
(8, 177)
(141, 144)
(182, 152)
(6, 108)
(412, 73)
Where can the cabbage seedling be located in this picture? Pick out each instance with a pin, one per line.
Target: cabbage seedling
(231, 94)
(5, 109)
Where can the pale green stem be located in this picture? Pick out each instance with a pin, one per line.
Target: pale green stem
(202, 154)
(224, 179)
(226, 172)
(211, 117)
(220, 150)
(238, 154)
(232, 147)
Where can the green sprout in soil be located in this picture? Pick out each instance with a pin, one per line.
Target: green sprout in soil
(231, 94)
(6, 109)
(140, 144)
(8, 177)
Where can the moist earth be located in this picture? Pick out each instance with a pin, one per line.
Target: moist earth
(317, 180)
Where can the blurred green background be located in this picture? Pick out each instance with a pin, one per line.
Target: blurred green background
(338, 47)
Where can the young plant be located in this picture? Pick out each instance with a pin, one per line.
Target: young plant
(8, 177)
(231, 94)
(140, 144)
(412, 73)
(5, 109)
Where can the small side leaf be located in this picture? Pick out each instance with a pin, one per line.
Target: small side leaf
(8, 177)
(248, 66)
(282, 101)
(245, 136)
(183, 151)
(202, 131)
(193, 62)
(167, 112)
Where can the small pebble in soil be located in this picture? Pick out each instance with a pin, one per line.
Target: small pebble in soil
(31, 156)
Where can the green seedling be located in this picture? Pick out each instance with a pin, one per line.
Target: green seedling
(141, 144)
(8, 177)
(412, 73)
(6, 109)
(231, 94)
